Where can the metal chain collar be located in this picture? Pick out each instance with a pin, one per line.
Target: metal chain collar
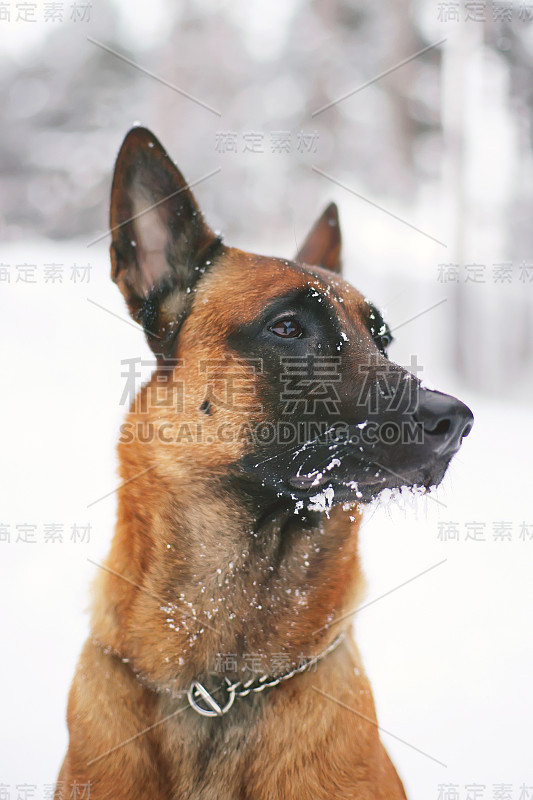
(205, 704)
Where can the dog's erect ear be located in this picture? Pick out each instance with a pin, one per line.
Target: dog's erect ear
(322, 248)
(160, 241)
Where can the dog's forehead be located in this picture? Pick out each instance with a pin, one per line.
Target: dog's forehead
(242, 284)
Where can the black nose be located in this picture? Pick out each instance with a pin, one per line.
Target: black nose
(445, 420)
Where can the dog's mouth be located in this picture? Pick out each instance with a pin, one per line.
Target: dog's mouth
(362, 484)
(344, 481)
(355, 462)
(342, 473)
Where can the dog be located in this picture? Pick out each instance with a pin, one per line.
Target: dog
(220, 662)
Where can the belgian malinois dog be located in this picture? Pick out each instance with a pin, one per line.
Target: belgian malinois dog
(221, 663)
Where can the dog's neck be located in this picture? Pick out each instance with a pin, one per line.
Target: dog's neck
(219, 575)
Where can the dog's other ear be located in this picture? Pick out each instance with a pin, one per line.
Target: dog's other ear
(322, 248)
(160, 241)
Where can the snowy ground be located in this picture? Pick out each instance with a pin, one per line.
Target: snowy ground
(449, 654)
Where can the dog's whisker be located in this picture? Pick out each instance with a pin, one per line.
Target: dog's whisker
(298, 448)
(407, 483)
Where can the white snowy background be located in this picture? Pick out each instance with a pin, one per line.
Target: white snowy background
(449, 653)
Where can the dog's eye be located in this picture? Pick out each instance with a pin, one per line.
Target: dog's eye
(380, 331)
(385, 339)
(287, 328)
